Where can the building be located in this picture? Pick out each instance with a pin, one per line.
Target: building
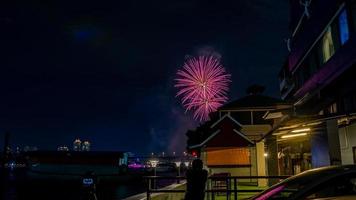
(86, 146)
(77, 145)
(231, 142)
(318, 79)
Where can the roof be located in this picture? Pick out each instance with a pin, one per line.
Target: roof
(253, 101)
(222, 118)
(238, 133)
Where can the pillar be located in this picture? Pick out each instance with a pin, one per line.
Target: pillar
(319, 149)
(261, 163)
(272, 161)
(333, 142)
(326, 145)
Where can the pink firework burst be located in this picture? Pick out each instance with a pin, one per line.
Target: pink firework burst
(203, 84)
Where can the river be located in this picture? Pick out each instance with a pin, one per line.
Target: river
(17, 186)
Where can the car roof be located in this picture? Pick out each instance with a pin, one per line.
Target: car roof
(348, 197)
(316, 174)
(323, 171)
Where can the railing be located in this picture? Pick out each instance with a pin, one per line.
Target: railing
(151, 189)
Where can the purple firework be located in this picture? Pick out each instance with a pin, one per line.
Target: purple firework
(203, 84)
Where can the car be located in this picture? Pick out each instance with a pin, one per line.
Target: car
(325, 183)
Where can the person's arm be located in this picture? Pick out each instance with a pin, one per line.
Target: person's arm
(205, 175)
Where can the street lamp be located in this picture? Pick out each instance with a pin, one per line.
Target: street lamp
(186, 164)
(178, 166)
(154, 165)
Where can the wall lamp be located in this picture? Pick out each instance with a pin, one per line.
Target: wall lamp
(300, 130)
(293, 135)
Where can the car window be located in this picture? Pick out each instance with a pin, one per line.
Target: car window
(290, 187)
(285, 190)
(338, 186)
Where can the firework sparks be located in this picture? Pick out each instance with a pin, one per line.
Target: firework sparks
(203, 84)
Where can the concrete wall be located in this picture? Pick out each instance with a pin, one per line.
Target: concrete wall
(347, 136)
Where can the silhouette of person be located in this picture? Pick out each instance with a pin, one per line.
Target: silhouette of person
(89, 186)
(196, 179)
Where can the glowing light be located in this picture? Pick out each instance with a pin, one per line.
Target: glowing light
(178, 163)
(136, 166)
(203, 85)
(293, 135)
(265, 154)
(270, 193)
(186, 164)
(301, 130)
(154, 163)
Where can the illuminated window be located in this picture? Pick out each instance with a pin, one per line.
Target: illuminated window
(343, 27)
(332, 108)
(327, 45)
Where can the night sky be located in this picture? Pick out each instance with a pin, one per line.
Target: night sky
(104, 71)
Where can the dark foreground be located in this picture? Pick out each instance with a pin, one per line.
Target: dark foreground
(18, 186)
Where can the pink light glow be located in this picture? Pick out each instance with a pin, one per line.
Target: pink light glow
(136, 166)
(203, 85)
(270, 193)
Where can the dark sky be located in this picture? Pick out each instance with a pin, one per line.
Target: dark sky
(104, 71)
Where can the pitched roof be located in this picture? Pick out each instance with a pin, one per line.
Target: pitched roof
(222, 118)
(253, 101)
(246, 139)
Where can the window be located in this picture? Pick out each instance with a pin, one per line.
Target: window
(343, 27)
(327, 45)
(332, 109)
(336, 34)
(287, 189)
(307, 187)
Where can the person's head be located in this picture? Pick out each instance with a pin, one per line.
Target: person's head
(197, 164)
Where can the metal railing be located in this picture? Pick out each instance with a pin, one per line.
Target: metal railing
(230, 181)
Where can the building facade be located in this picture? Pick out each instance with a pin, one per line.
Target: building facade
(318, 79)
(231, 142)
